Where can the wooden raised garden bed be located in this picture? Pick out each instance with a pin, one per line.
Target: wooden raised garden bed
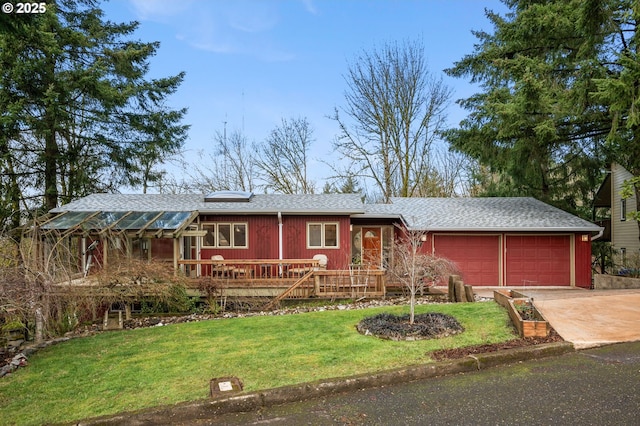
(525, 317)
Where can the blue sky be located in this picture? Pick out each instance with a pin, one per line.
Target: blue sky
(251, 63)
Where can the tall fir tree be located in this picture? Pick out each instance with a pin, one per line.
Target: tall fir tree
(619, 90)
(79, 113)
(536, 123)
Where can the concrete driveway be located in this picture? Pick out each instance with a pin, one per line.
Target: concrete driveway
(589, 318)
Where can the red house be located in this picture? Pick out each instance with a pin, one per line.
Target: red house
(494, 241)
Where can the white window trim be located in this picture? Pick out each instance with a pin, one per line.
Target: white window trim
(623, 209)
(322, 235)
(232, 245)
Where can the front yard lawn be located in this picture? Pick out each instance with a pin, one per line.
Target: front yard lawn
(128, 370)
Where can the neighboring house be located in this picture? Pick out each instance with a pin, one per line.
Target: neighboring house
(610, 210)
(494, 241)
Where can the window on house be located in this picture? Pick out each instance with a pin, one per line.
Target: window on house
(322, 235)
(623, 209)
(225, 235)
(240, 235)
(209, 240)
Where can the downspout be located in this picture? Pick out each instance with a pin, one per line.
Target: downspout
(280, 242)
(598, 235)
(83, 247)
(280, 235)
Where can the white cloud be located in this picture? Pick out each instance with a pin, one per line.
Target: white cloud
(310, 6)
(224, 27)
(159, 10)
(252, 16)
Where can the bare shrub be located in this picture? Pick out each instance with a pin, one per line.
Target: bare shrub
(414, 268)
(130, 280)
(42, 284)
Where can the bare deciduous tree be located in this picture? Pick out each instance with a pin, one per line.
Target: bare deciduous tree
(395, 110)
(283, 159)
(448, 175)
(413, 267)
(231, 167)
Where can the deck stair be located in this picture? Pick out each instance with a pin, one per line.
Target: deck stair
(294, 292)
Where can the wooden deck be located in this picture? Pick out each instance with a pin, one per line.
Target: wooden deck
(272, 279)
(284, 279)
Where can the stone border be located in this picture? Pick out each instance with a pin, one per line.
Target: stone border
(614, 282)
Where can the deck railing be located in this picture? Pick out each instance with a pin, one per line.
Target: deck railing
(262, 270)
(298, 278)
(354, 283)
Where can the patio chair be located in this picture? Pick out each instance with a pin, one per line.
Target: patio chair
(220, 269)
(322, 264)
(243, 272)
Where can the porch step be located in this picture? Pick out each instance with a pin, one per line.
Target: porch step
(112, 321)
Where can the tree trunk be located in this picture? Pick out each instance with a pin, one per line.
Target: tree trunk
(636, 189)
(50, 144)
(412, 306)
(39, 326)
(50, 170)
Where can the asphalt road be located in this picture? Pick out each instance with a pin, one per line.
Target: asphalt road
(598, 386)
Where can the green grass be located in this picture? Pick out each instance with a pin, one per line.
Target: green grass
(129, 370)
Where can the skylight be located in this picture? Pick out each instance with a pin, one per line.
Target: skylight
(228, 196)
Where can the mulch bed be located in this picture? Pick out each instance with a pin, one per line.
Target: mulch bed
(445, 354)
(429, 325)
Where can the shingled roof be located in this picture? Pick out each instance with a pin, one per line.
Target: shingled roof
(480, 214)
(432, 214)
(258, 204)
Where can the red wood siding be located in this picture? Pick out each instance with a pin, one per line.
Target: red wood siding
(535, 260)
(263, 239)
(477, 256)
(161, 248)
(262, 235)
(295, 240)
(583, 261)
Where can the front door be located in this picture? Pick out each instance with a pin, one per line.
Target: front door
(372, 247)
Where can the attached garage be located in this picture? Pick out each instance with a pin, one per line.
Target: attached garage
(505, 241)
(538, 260)
(477, 256)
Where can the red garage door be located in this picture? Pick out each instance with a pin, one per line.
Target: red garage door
(538, 260)
(476, 256)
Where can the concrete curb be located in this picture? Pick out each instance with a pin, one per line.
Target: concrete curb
(253, 401)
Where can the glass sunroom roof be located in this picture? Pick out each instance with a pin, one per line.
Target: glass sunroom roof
(170, 220)
(136, 220)
(118, 221)
(67, 220)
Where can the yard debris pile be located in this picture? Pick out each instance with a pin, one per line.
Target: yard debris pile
(397, 327)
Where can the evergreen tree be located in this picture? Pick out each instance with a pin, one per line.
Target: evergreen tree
(536, 123)
(79, 114)
(619, 89)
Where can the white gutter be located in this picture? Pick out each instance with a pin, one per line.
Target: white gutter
(598, 235)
